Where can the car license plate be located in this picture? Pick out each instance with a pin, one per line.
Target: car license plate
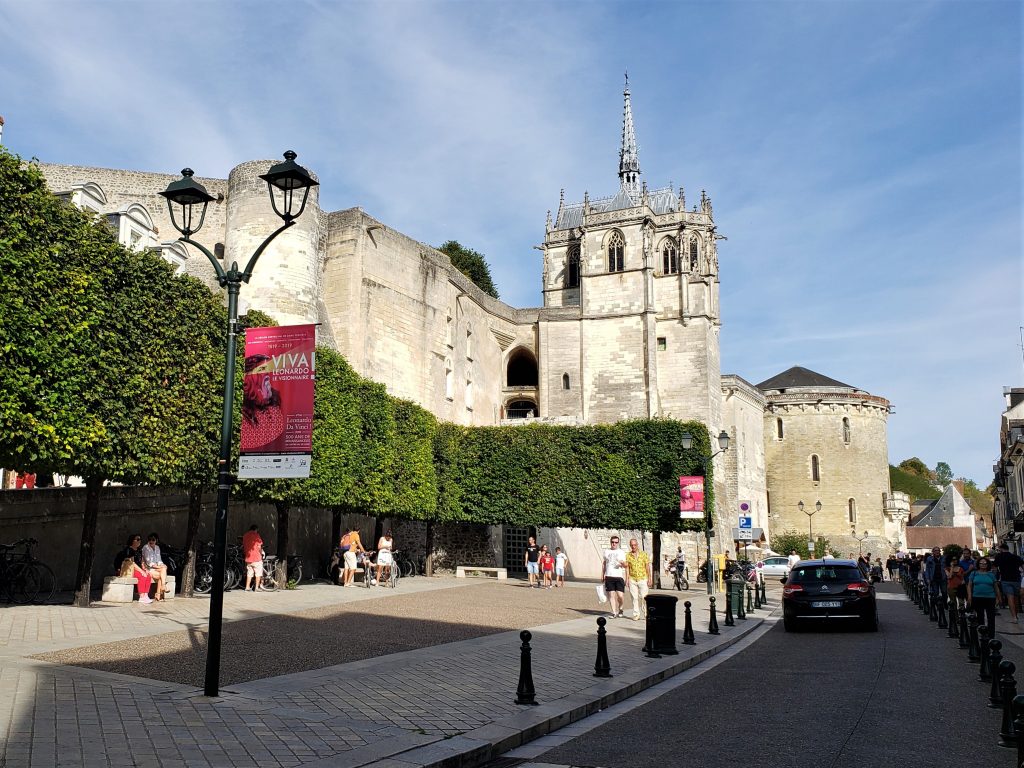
(827, 604)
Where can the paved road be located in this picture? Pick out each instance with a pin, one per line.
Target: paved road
(837, 698)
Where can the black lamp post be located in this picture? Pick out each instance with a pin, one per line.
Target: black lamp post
(187, 193)
(860, 541)
(723, 444)
(810, 514)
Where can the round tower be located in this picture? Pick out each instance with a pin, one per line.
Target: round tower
(826, 442)
(284, 283)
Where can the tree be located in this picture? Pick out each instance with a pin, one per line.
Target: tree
(472, 264)
(916, 467)
(943, 474)
(106, 351)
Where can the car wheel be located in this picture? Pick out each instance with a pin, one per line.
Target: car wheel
(789, 624)
(871, 624)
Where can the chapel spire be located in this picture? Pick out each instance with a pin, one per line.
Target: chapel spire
(629, 162)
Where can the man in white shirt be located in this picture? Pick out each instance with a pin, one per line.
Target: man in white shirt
(153, 562)
(794, 558)
(613, 571)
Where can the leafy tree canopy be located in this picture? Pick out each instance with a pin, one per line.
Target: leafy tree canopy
(472, 264)
(943, 474)
(916, 467)
(912, 484)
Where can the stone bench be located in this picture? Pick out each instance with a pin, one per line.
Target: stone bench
(118, 589)
(462, 570)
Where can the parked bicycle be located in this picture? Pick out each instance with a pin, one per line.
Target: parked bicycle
(389, 578)
(23, 577)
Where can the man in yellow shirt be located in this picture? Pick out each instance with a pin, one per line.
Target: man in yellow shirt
(638, 567)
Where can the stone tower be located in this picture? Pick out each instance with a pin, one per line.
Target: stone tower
(826, 441)
(630, 323)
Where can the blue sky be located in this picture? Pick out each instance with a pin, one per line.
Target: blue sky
(863, 158)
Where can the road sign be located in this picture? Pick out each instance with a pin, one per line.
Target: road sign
(746, 523)
(745, 534)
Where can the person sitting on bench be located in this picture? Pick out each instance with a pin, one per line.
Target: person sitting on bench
(128, 565)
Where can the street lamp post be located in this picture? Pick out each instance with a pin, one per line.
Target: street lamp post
(860, 541)
(288, 178)
(810, 514)
(723, 444)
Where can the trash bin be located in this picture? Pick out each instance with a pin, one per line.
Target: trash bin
(736, 595)
(661, 624)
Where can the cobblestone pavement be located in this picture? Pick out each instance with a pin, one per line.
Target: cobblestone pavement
(415, 707)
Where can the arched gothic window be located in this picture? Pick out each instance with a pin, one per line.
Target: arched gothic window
(815, 469)
(670, 258)
(694, 255)
(565, 381)
(572, 268)
(778, 429)
(616, 252)
(852, 509)
(846, 430)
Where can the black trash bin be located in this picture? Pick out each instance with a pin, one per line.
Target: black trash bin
(661, 624)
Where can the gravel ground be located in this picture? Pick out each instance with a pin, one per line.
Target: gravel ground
(321, 637)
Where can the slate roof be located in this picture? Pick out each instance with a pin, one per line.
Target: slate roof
(943, 512)
(661, 201)
(800, 377)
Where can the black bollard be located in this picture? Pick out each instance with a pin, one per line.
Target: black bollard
(1018, 726)
(688, 638)
(525, 693)
(933, 606)
(964, 635)
(995, 658)
(1008, 692)
(954, 621)
(764, 593)
(713, 621)
(740, 611)
(602, 668)
(757, 596)
(924, 600)
(728, 608)
(940, 609)
(972, 639)
(984, 671)
(750, 600)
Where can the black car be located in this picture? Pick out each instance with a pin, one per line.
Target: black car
(823, 591)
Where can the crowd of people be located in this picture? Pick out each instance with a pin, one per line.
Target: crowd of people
(354, 556)
(977, 582)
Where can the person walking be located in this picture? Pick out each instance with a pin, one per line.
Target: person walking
(981, 594)
(793, 558)
(613, 572)
(935, 574)
(1008, 568)
(638, 564)
(252, 553)
(530, 557)
(561, 563)
(547, 566)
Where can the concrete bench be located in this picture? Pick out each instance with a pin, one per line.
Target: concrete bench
(118, 589)
(462, 570)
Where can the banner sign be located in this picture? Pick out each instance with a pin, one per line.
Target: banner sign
(277, 402)
(691, 498)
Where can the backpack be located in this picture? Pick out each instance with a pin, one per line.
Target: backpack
(346, 542)
(956, 578)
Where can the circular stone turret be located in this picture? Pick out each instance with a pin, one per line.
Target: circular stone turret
(826, 441)
(285, 279)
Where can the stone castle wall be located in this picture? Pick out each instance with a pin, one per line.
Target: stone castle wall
(857, 469)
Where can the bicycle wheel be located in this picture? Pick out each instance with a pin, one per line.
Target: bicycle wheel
(395, 573)
(23, 583)
(408, 569)
(294, 569)
(47, 582)
(269, 582)
(204, 578)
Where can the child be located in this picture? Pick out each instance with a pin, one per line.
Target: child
(561, 561)
(547, 565)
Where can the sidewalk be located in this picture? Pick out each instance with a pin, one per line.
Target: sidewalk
(445, 705)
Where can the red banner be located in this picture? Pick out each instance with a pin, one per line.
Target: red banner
(691, 497)
(277, 401)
